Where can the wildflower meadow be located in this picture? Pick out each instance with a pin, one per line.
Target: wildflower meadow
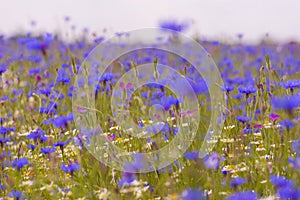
(79, 121)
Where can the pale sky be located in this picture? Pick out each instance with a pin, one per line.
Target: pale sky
(212, 18)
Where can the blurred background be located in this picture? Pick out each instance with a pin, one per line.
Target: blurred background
(227, 20)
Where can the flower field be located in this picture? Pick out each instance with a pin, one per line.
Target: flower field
(43, 153)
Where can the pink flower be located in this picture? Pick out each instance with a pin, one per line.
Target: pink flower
(274, 117)
(128, 86)
(257, 126)
(81, 110)
(157, 116)
(38, 78)
(112, 137)
(122, 85)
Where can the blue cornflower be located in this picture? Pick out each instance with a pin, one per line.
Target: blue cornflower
(62, 76)
(48, 150)
(166, 128)
(25, 40)
(61, 121)
(156, 96)
(199, 86)
(2, 120)
(248, 130)
(192, 194)
(46, 91)
(227, 88)
(237, 182)
(154, 85)
(238, 96)
(34, 58)
(287, 124)
(30, 146)
(43, 138)
(127, 176)
(35, 44)
(65, 65)
(107, 77)
(168, 101)
(4, 140)
(212, 161)
(242, 119)
(71, 168)
(17, 92)
(19, 163)
(4, 98)
(2, 187)
(34, 71)
(281, 181)
(139, 162)
(246, 195)
(295, 162)
(296, 146)
(191, 155)
(291, 84)
(3, 68)
(127, 179)
(70, 117)
(247, 89)
(174, 25)
(227, 63)
(289, 193)
(61, 144)
(67, 18)
(16, 194)
(287, 103)
(6, 153)
(99, 39)
(51, 108)
(236, 81)
(36, 134)
(3, 130)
